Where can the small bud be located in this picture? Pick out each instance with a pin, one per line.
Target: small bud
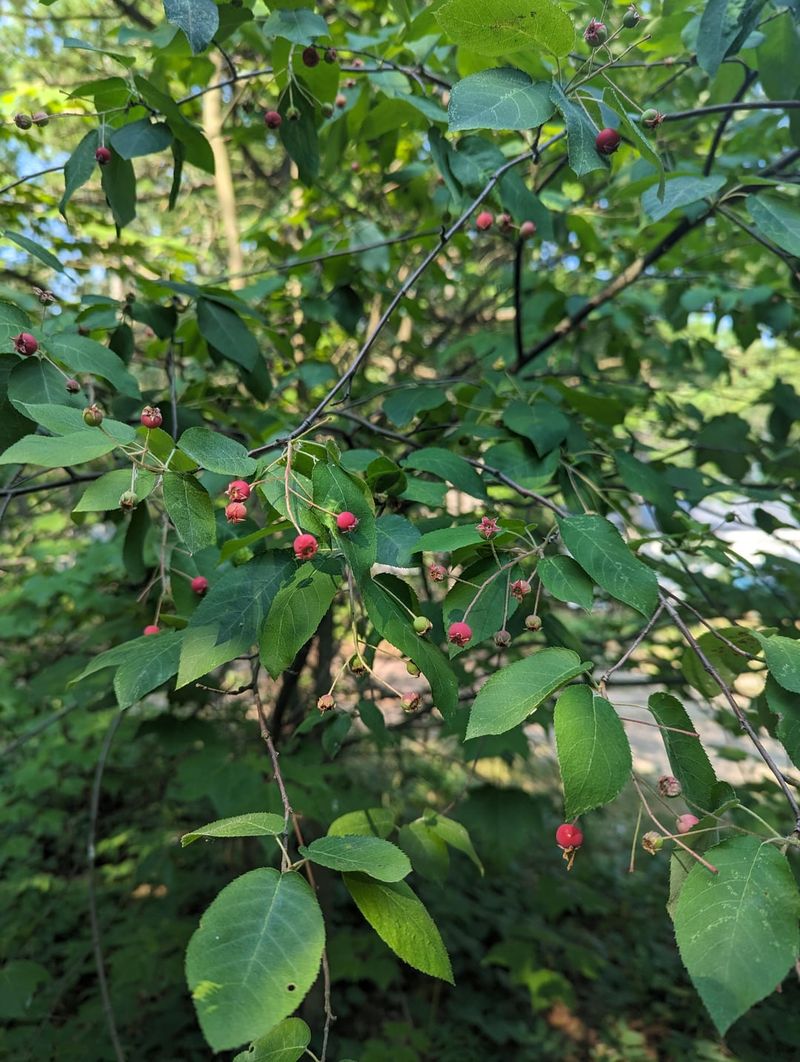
(652, 842)
(326, 702)
(41, 118)
(128, 501)
(235, 513)
(73, 387)
(504, 221)
(484, 221)
(421, 624)
(310, 56)
(242, 556)
(412, 668)
(341, 101)
(327, 110)
(437, 572)
(533, 622)
(357, 64)
(651, 118)
(350, 82)
(411, 702)
(669, 786)
(93, 416)
(272, 120)
(200, 585)
(151, 417)
(631, 18)
(502, 639)
(103, 156)
(527, 229)
(23, 121)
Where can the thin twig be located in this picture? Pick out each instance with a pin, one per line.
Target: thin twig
(518, 253)
(631, 648)
(276, 768)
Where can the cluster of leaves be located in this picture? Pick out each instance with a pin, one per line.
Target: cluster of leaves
(607, 454)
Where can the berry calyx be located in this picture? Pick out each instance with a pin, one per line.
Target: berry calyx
(487, 528)
(437, 572)
(533, 622)
(519, 588)
(235, 513)
(595, 34)
(686, 823)
(272, 120)
(23, 121)
(484, 221)
(651, 118)
(569, 836)
(669, 786)
(200, 585)
(41, 118)
(502, 639)
(421, 624)
(293, 114)
(305, 546)
(527, 229)
(73, 387)
(326, 703)
(152, 628)
(459, 634)
(411, 702)
(103, 156)
(128, 501)
(607, 141)
(238, 490)
(631, 18)
(346, 522)
(25, 344)
(93, 416)
(310, 56)
(151, 417)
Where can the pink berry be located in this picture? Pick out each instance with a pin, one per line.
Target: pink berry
(607, 141)
(527, 229)
(305, 546)
(484, 220)
(200, 584)
(459, 634)
(152, 628)
(151, 417)
(238, 490)
(346, 522)
(272, 120)
(569, 836)
(103, 156)
(687, 823)
(235, 512)
(487, 528)
(437, 572)
(25, 343)
(73, 387)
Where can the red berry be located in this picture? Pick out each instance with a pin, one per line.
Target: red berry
(687, 823)
(519, 588)
(152, 628)
(607, 141)
(151, 417)
(437, 572)
(527, 229)
(73, 386)
(305, 546)
(569, 836)
(25, 343)
(235, 512)
(484, 220)
(595, 34)
(103, 156)
(310, 55)
(93, 416)
(272, 120)
(200, 584)
(238, 490)
(346, 522)
(459, 634)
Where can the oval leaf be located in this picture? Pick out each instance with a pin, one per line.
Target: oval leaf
(368, 855)
(602, 552)
(593, 751)
(256, 824)
(504, 98)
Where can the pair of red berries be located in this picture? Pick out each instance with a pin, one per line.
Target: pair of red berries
(238, 492)
(306, 545)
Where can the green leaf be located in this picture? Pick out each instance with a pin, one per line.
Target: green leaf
(403, 405)
(104, 493)
(511, 694)
(197, 149)
(65, 420)
(287, 1042)
(486, 614)
(724, 26)
(299, 136)
(295, 614)
(603, 554)
(118, 181)
(455, 836)
(778, 220)
(299, 27)
(80, 167)
(368, 855)
(254, 956)
(217, 453)
(581, 134)
(49, 451)
(634, 133)
(223, 329)
(783, 660)
(36, 249)
(566, 581)
(401, 920)
(448, 466)
(679, 192)
(374, 822)
(397, 540)
(190, 509)
(255, 824)
(786, 706)
(142, 137)
(449, 539)
(737, 930)
(13, 320)
(226, 622)
(199, 20)
(687, 757)
(593, 751)
(728, 663)
(142, 665)
(338, 491)
(643, 479)
(81, 354)
(393, 623)
(502, 98)
(541, 422)
(33, 381)
(426, 850)
(506, 25)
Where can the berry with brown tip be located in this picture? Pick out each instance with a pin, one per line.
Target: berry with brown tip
(310, 56)
(533, 623)
(272, 120)
(331, 55)
(631, 18)
(437, 572)
(346, 522)
(686, 823)
(128, 501)
(235, 513)
(519, 588)
(23, 121)
(568, 836)
(669, 786)
(652, 842)
(25, 344)
(293, 114)
(327, 110)
(341, 101)
(103, 156)
(502, 639)
(595, 33)
(411, 702)
(305, 546)
(607, 141)
(326, 703)
(651, 118)
(484, 221)
(421, 624)
(504, 221)
(200, 585)
(152, 628)
(527, 229)
(459, 634)
(357, 665)
(41, 118)
(73, 387)
(93, 416)
(151, 417)
(238, 490)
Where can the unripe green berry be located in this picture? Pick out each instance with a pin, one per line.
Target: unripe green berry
(421, 624)
(93, 416)
(293, 114)
(128, 500)
(412, 668)
(533, 623)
